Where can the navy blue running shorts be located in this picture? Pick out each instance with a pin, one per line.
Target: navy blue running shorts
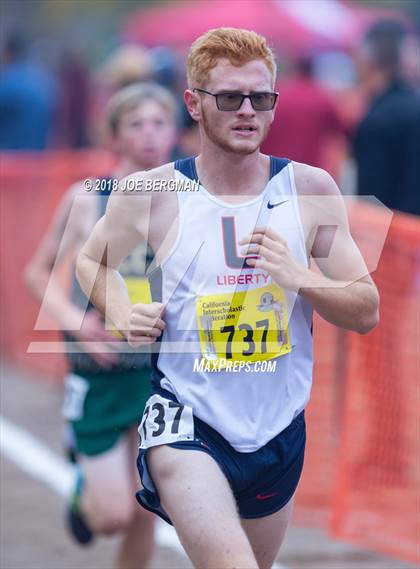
(262, 482)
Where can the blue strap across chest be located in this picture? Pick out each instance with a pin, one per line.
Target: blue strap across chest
(187, 166)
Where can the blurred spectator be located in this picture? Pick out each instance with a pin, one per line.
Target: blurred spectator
(411, 60)
(334, 69)
(73, 109)
(27, 98)
(387, 140)
(306, 118)
(164, 66)
(128, 64)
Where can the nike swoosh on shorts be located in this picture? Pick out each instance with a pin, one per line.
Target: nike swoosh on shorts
(265, 496)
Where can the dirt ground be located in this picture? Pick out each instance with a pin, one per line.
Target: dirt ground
(31, 517)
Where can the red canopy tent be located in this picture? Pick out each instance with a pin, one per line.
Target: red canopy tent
(288, 24)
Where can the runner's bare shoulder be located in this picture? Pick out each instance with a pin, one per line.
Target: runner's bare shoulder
(134, 191)
(321, 204)
(76, 213)
(312, 181)
(132, 202)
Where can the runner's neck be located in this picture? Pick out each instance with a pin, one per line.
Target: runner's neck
(233, 174)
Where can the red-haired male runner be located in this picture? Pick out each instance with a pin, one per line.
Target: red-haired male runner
(223, 435)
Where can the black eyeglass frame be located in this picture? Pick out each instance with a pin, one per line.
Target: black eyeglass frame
(243, 97)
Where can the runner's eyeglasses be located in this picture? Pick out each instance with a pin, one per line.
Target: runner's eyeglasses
(231, 101)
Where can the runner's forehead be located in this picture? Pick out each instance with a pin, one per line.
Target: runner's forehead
(146, 108)
(253, 76)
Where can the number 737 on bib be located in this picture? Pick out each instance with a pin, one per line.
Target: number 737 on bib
(165, 422)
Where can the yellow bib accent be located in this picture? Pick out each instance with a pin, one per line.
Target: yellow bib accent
(138, 290)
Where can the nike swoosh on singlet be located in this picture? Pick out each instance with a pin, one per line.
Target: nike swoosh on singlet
(271, 205)
(265, 496)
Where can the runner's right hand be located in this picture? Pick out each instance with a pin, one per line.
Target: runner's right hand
(145, 324)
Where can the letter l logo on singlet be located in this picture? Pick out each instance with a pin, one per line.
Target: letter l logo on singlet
(232, 258)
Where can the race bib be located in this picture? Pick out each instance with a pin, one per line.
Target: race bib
(138, 290)
(165, 422)
(245, 326)
(75, 391)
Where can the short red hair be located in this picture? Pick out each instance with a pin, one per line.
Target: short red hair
(236, 45)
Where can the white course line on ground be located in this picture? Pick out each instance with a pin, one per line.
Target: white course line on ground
(41, 463)
(35, 458)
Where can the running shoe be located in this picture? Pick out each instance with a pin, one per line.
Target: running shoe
(76, 524)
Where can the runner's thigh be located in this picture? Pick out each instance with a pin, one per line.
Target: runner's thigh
(197, 496)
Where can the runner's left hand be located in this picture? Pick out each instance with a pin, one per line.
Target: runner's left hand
(274, 257)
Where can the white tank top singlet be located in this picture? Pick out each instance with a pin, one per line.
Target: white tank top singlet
(221, 313)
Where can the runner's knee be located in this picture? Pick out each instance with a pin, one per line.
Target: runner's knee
(114, 522)
(114, 518)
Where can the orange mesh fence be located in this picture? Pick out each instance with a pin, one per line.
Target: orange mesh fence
(314, 494)
(377, 496)
(31, 186)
